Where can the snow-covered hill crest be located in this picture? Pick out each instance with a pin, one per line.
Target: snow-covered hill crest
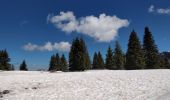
(89, 85)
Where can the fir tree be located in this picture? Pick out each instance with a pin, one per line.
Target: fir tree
(76, 59)
(109, 59)
(100, 61)
(57, 64)
(134, 56)
(151, 51)
(166, 63)
(52, 65)
(23, 66)
(4, 60)
(79, 59)
(63, 64)
(86, 54)
(95, 61)
(118, 57)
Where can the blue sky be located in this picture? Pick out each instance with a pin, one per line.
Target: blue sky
(25, 21)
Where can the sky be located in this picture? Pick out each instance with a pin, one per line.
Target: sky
(36, 29)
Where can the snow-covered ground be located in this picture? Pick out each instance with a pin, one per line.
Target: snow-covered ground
(89, 85)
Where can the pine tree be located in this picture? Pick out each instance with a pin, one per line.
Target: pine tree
(134, 56)
(79, 59)
(119, 58)
(86, 54)
(166, 63)
(100, 61)
(4, 60)
(109, 59)
(151, 51)
(76, 59)
(63, 64)
(52, 64)
(23, 66)
(95, 61)
(57, 65)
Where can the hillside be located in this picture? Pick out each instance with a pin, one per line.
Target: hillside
(89, 85)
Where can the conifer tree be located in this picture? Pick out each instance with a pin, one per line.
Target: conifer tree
(63, 64)
(23, 66)
(86, 54)
(75, 57)
(4, 60)
(95, 61)
(119, 58)
(109, 59)
(166, 63)
(100, 61)
(52, 65)
(134, 56)
(151, 51)
(79, 59)
(57, 64)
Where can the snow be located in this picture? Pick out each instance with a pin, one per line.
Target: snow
(88, 85)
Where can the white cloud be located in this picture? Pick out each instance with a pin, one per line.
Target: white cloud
(103, 28)
(61, 46)
(152, 9)
(164, 11)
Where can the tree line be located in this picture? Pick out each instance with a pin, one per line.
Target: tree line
(138, 56)
(5, 65)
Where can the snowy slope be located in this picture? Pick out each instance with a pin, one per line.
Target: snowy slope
(89, 85)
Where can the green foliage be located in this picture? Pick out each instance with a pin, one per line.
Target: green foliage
(63, 64)
(23, 66)
(98, 62)
(119, 57)
(134, 56)
(95, 62)
(151, 51)
(166, 63)
(4, 60)
(86, 54)
(109, 59)
(79, 59)
(52, 63)
(58, 63)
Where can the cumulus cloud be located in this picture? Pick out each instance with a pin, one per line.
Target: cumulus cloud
(61, 46)
(103, 28)
(152, 9)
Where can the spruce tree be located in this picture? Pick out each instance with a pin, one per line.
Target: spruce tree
(79, 59)
(151, 51)
(166, 63)
(63, 64)
(95, 61)
(57, 65)
(119, 58)
(4, 60)
(100, 61)
(75, 57)
(134, 56)
(86, 54)
(52, 64)
(23, 66)
(109, 59)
